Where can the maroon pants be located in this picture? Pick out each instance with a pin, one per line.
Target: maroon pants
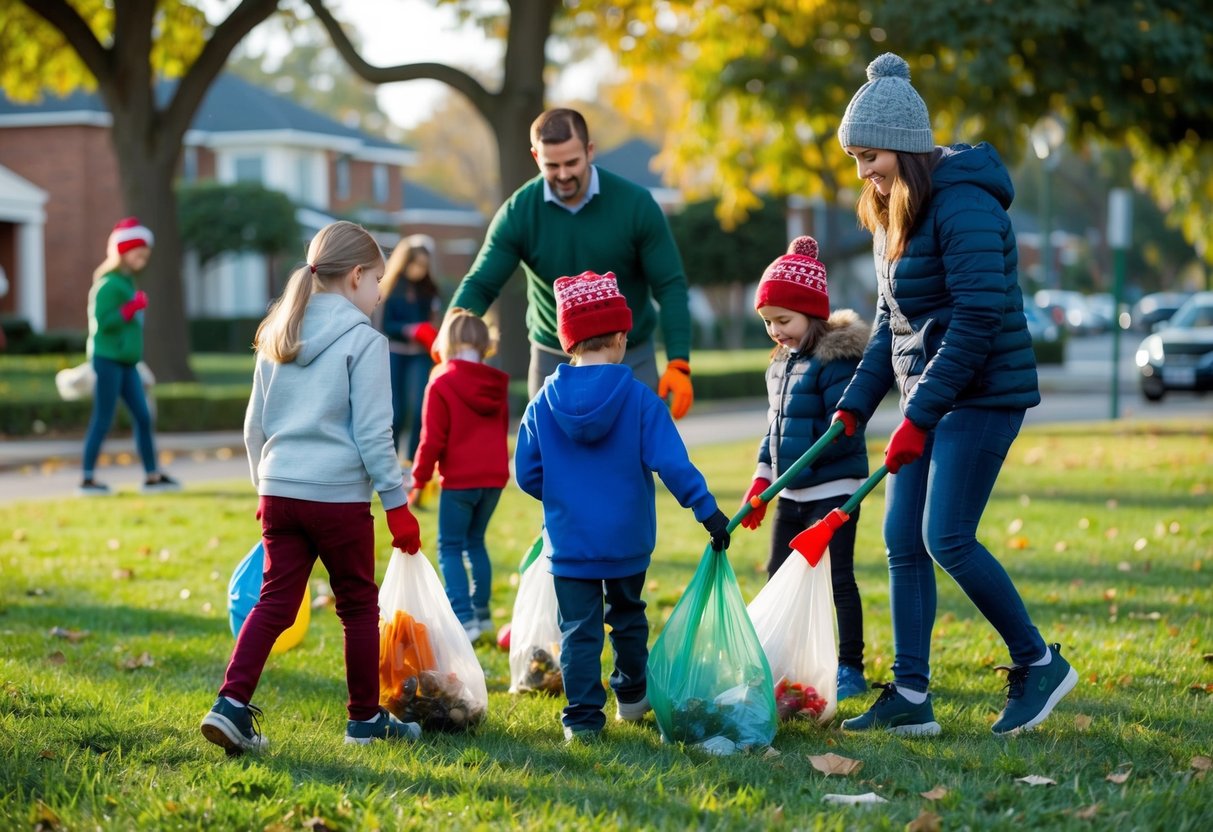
(296, 532)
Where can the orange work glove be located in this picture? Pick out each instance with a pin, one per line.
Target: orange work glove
(676, 383)
(406, 534)
(849, 423)
(758, 510)
(905, 445)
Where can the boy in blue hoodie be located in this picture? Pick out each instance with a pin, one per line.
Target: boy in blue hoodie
(593, 425)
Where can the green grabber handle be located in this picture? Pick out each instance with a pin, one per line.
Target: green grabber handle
(808, 456)
(871, 482)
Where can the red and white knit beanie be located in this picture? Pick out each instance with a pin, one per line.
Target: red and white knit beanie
(129, 234)
(589, 305)
(796, 281)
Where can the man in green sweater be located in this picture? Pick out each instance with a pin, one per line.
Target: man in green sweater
(573, 218)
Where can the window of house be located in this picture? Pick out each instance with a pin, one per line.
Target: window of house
(303, 180)
(342, 186)
(379, 184)
(249, 168)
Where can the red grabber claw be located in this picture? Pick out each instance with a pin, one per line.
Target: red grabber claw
(812, 542)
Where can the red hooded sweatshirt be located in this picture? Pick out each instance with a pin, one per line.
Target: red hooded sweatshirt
(464, 426)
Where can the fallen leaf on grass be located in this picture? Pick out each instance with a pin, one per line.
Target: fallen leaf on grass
(925, 822)
(1201, 687)
(1119, 777)
(770, 752)
(1201, 763)
(1036, 780)
(1083, 722)
(1018, 542)
(854, 799)
(1208, 657)
(122, 574)
(46, 754)
(57, 657)
(1088, 813)
(20, 534)
(144, 659)
(834, 764)
(937, 793)
(45, 818)
(74, 636)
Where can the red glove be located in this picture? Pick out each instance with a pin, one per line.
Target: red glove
(406, 534)
(905, 445)
(758, 509)
(424, 334)
(849, 423)
(128, 309)
(676, 383)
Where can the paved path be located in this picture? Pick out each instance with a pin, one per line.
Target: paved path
(46, 468)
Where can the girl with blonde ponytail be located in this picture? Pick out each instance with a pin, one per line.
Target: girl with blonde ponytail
(318, 431)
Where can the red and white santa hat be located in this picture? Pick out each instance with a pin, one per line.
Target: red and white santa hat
(589, 305)
(129, 234)
(796, 281)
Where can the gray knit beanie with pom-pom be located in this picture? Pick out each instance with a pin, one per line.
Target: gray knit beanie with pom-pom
(887, 113)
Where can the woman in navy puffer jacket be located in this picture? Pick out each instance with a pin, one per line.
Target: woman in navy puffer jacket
(950, 332)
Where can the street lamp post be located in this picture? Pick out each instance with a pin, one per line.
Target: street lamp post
(1047, 136)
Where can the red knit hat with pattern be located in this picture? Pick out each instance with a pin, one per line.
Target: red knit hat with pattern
(128, 234)
(589, 305)
(796, 281)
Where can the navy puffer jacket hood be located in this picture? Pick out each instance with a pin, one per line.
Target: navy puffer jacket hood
(950, 329)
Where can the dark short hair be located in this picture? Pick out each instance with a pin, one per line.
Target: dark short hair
(558, 126)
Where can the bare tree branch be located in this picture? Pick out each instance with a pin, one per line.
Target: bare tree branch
(195, 83)
(481, 98)
(77, 33)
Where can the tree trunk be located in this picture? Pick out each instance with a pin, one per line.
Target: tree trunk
(518, 103)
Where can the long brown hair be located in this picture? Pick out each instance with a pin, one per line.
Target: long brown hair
(405, 252)
(334, 252)
(898, 213)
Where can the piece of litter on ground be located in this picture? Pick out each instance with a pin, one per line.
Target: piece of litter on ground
(854, 799)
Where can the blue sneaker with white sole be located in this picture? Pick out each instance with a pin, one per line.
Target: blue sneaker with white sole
(894, 713)
(1033, 691)
(234, 728)
(384, 727)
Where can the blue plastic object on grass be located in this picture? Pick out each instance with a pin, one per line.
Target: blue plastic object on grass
(244, 590)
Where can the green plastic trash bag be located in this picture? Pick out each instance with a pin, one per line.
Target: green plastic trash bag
(708, 680)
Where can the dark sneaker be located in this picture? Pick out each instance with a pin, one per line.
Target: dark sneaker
(386, 727)
(1033, 692)
(894, 713)
(158, 483)
(578, 736)
(92, 488)
(850, 681)
(632, 711)
(234, 728)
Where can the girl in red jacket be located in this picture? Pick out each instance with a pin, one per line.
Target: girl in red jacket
(464, 424)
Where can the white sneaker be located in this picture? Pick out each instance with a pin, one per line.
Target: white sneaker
(632, 711)
(472, 628)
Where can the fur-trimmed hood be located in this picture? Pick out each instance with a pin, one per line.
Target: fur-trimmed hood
(846, 337)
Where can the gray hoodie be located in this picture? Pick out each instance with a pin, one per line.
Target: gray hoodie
(320, 427)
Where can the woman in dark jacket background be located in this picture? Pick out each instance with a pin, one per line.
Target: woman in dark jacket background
(409, 314)
(950, 332)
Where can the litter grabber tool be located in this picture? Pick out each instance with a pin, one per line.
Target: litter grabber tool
(808, 457)
(812, 542)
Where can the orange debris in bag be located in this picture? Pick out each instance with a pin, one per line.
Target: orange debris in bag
(404, 651)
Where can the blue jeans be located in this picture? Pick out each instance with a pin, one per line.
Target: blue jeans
(581, 614)
(410, 374)
(115, 379)
(932, 508)
(463, 516)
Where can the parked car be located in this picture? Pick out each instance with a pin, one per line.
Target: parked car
(1155, 308)
(1179, 356)
(1068, 308)
(1048, 339)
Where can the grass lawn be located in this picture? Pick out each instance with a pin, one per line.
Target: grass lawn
(1106, 530)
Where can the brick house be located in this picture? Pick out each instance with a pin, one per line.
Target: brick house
(60, 147)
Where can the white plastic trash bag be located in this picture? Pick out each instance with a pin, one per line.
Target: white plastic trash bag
(79, 382)
(534, 629)
(428, 670)
(794, 617)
